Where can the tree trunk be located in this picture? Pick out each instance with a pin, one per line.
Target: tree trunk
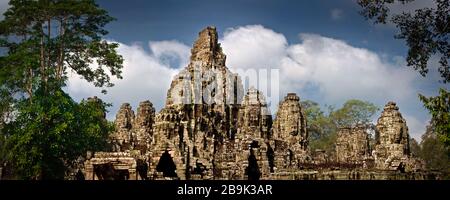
(42, 56)
(49, 29)
(60, 68)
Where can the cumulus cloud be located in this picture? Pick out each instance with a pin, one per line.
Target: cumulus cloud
(253, 46)
(343, 71)
(146, 76)
(170, 53)
(324, 69)
(319, 68)
(338, 70)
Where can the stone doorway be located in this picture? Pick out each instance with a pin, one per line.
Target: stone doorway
(252, 171)
(111, 166)
(107, 172)
(166, 165)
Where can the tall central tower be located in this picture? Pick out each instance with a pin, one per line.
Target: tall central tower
(201, 109)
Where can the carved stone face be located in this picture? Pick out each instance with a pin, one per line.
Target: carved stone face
(292, 125)
(125, 117)
(396, 135)
(125, 123)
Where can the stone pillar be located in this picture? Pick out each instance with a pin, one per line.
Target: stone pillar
(89, 171)
(133, 174)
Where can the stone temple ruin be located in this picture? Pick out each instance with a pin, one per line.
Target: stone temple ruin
(232, 135)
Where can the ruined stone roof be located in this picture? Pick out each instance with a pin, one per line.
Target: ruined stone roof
(224, 139)
(292, 96)
(254, 97)
(207, 49)
(124, 117)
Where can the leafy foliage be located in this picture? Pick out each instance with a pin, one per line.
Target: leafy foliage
(415, 147)
(434, 152)
(47, 38)
(354, 112)
(426, 31)
(439, 108)
(323, 126)
(53, 131)
(40, 42)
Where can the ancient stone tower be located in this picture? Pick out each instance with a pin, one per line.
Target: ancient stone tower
(208, 129)
(122, 137)
(143, 126)
(201, 109)
(290, 122)
(392, 149)
(133, 132)
(130, 143)
(392, 129)
(254, 118)
(289, 137)
(252, 140)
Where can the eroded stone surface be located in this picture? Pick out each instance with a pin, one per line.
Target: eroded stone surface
(352, 145)
(208, 129)
(289, 136)
(290, 122)
(392, 150)
(121, 139)
(143, 126)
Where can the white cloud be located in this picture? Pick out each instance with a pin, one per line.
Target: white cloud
(146, 77)
(171, 53)
(416, 127)
(338, 70)
(253, 47)
(343, 71)
(319, 68)
(336, 14)
(326, 70)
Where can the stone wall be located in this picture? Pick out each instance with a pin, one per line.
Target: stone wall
(352, 145)
(208, 129)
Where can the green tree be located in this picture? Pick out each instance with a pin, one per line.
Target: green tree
(318, 122)
(45, 39)
(323, 126)
(426, 32)
(415, 147)
(354, 112)
(3, 150)
(434, 152)
(439, 108)
(52, 132)
(41, 41)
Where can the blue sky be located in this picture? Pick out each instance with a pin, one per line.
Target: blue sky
(140, 20)
(324, 49)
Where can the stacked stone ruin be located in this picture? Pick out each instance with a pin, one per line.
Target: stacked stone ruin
(392, 150)
(229, 135)
(352, 145)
